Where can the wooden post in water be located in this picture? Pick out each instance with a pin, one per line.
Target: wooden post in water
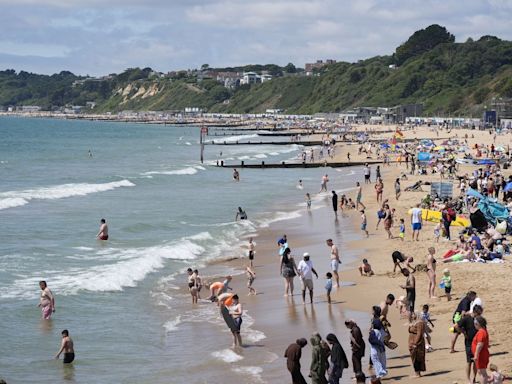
(204, 131)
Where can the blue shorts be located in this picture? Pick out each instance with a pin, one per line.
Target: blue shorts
(363, 227)
(416, 226)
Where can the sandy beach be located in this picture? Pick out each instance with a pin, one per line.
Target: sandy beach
(284, 319)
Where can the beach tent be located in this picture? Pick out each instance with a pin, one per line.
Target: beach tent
(491, 209)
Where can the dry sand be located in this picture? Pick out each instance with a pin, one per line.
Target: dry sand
(285, 319)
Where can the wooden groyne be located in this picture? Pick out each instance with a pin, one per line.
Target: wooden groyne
(284, 164)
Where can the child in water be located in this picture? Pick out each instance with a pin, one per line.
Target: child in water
(402, 229)
(328, 286)
(308, 201)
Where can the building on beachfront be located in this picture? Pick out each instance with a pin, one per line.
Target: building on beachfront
(29, 108)
(310, 68)
(400, 113)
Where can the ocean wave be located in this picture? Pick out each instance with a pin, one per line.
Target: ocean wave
(231, 139)
(184, 171)
(254, 372)
(12, 202)
(172, 325)
(227, 355)
(11, 199)
(279, 216)
(129, 267)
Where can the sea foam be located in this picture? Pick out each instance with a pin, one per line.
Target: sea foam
(227, 355)
(12, 199)
(129, 267)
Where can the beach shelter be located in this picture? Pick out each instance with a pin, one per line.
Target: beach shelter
(491, 209)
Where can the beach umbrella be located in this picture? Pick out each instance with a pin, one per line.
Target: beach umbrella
(508, 187)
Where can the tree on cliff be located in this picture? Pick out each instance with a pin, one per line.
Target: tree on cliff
(422, 41)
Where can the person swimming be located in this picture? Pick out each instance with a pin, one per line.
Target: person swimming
(103, 233)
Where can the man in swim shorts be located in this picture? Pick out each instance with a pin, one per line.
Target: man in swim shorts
(103, 233)
(335, 260)
(66, 346)
(416, 221)
(236, 312)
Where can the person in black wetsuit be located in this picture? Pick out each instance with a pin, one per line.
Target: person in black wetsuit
(335, 203)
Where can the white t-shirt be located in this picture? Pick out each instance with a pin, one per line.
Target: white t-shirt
(305, 269)
(477, 301)
(416, 215)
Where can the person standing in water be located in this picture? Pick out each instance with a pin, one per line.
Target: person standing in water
(240, 214)
(46, 301)
(236, 175)
(359, 196)
(335, 203)
(335, 260)
(251, 251)
(103, 233)
(323, 186)
(236, 313)
(66, 347)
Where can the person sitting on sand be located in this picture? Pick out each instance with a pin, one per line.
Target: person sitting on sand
(365, 269)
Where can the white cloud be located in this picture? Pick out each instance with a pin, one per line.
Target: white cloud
(104, 36)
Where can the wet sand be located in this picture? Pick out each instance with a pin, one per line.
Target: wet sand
(284, 319)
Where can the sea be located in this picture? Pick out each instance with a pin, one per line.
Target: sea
(166, 210)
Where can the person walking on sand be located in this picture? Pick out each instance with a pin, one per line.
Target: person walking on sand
(467, 326)
(306, 270)
(364, 223)
(397, 188)
(319, 362)
(66, 347)
(417, 329)
(431, 272)
(288, 271)
(103, 233)
(359, 196)
(379, 189)
(46, 301)
(293, 354)
(335, 203)
(357, 345)
(377, 348)
(416, 221)
(335, 261)
(339, 360)
(463, 308)
(410, 288)
(251, 251)
(388, 220)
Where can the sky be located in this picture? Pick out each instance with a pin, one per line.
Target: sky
(98, 37)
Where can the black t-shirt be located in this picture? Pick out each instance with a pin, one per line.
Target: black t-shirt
(335, 202)
(464, 305)
(467, 325)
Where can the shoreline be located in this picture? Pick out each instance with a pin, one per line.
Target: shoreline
(367, 291)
